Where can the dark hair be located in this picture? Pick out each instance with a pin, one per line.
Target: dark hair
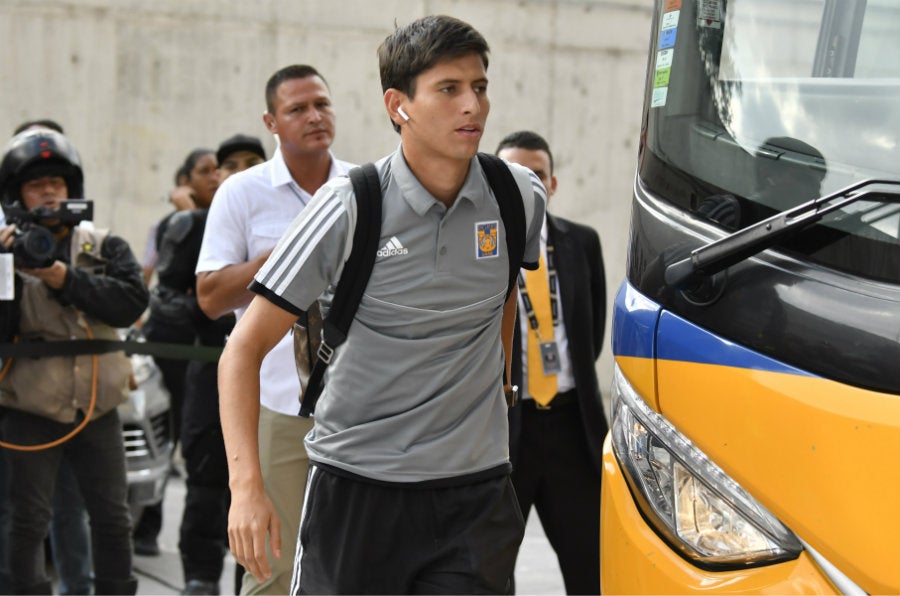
(43, 123)
(525, 139)
(181, 173)
(414, 48)
(190, 161)
(288, 73)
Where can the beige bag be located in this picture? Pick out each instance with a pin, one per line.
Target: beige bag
(307, 337)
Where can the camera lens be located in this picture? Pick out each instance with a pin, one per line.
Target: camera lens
(34, 247)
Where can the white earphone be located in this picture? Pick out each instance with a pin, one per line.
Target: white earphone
(403, 114)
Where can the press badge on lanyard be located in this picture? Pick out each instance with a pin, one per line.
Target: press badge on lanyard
(550, 358)
(549, 349)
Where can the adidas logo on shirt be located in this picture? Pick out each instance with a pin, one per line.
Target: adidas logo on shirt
(392, 248)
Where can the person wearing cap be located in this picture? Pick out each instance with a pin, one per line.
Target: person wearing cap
(175, 317)
(238, 153)
(89, 285)
(196, 180)
(234, 154)
(202, 536)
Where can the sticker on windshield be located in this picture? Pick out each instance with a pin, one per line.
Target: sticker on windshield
(662, 77)
(667, 38)
(670, 19)
(659, 97)
(664, 58)
(665, 54)
(709, 14)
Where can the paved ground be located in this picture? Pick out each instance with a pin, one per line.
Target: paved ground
(536, 571)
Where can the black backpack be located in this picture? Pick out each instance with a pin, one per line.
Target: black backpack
(366, 236)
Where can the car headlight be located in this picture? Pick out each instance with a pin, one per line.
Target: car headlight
(134, 408)
(141, 367)
(698, 509)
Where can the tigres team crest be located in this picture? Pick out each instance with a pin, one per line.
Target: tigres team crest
(486, 234)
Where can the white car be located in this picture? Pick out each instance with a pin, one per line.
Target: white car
(147, 431)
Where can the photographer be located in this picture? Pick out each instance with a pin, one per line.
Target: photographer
(74, 282)
(70, 532)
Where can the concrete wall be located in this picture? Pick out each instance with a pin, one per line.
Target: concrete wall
(139, 83)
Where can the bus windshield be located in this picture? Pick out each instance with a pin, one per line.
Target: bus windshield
(757, 106)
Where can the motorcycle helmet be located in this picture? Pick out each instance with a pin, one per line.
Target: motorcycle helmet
(36, 153)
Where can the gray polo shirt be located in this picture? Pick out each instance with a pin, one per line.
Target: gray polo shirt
(415, 392)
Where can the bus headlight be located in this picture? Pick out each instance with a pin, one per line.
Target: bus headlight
(689, 500)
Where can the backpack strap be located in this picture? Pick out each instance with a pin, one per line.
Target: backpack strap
(354, 278)
(512, 211)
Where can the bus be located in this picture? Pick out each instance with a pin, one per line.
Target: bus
(755, 407)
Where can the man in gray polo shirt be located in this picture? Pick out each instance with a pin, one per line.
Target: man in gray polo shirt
(409, 491)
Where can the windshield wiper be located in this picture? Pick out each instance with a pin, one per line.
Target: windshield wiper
(717, 256)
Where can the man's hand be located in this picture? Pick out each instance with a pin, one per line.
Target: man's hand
(252, 514)
(53, 276)
(250, 520)
(7, 235)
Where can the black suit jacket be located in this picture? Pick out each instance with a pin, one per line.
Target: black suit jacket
(582, 290)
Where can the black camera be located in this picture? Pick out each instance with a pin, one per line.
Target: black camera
(34, 246)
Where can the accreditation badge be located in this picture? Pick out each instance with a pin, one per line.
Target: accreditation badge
(550, 358)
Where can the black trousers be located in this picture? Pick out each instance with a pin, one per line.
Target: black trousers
(203, 539)
(97, 456)
(173, 372)
(553, 472)
(357, 537)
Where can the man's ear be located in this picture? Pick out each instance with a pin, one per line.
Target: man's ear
(393, 99)
(269, 121)
(552, 190)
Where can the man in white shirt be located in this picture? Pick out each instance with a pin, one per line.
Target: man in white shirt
(251, 211)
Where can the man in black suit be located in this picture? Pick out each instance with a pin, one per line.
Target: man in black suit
(557, 428)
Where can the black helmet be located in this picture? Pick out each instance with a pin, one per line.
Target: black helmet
(35, 153)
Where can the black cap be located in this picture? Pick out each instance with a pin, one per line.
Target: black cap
(239, 143)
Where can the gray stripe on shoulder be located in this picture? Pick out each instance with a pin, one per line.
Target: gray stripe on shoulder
(321, 217)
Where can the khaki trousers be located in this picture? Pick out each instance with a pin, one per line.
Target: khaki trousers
(284, 463)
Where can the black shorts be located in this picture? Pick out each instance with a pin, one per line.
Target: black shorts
(358, 537)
